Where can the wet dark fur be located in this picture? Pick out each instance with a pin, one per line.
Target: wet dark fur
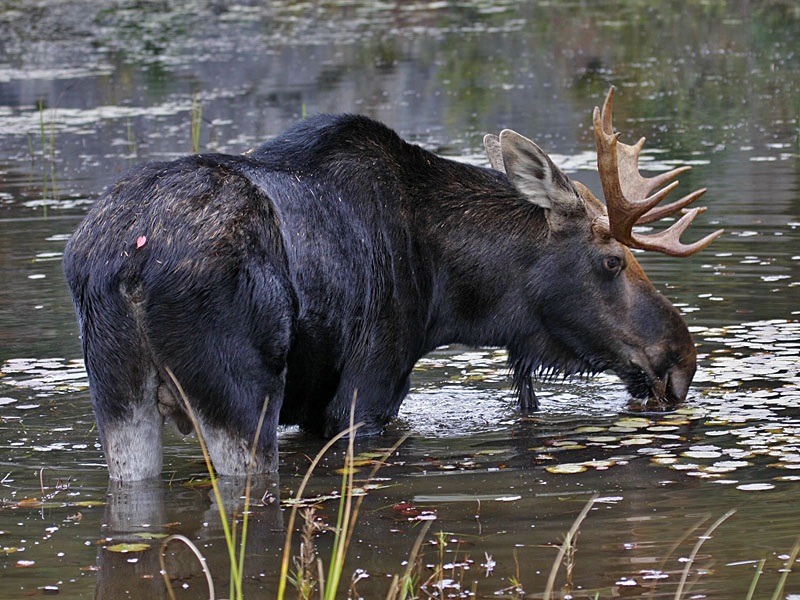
(326, 261)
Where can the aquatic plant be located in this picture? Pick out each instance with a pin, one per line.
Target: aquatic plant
(196, 120)
(304, 578)
(236, 563)
(48, 156)
(132, 146)
(567, 550)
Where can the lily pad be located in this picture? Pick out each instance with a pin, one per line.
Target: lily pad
(566, 468)
(128, 547)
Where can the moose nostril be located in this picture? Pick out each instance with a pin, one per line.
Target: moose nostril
(679, 381)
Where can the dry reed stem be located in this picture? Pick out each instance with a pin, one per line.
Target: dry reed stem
(696, 549)
(196, 552)
(675, 547)
(293, 514)
(399, 588)
(343, 522)
(548, 591)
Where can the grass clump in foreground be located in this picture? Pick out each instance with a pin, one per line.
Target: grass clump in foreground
(305, 571)
(309, 574)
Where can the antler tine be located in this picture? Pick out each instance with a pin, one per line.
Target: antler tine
(622, 214)
(660, 212)
(668, 241)
(627, 196)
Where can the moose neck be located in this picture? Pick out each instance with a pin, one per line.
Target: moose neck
(483, 239)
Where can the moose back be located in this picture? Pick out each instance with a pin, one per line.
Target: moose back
(326, 262)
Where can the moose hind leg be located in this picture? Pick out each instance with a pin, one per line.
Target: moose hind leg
(230, 432)
(132, 438)
(231, 452)
(123, 384)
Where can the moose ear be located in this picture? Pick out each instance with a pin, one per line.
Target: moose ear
(492, 144)
(532, 172)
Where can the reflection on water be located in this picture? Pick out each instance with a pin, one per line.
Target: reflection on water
(499, 482)
(711, 84)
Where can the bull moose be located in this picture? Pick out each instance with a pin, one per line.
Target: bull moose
(330, 259)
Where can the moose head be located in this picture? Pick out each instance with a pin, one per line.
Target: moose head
(602, 313)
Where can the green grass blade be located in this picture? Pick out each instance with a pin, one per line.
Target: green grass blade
(248, 487)
(229, 539)
(756, 577)
(345, 513)
(786, 571)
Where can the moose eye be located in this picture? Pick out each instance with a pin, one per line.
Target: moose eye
(612, 264)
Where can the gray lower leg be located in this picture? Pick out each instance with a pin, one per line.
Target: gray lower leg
(231, 453)
(133, 444)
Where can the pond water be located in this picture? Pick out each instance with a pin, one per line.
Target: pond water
(89, 88)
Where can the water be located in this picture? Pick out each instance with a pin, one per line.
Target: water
(714, 84)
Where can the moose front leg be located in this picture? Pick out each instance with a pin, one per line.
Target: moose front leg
(528, 402)
(523, 384)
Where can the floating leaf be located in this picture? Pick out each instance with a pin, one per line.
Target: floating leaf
(702, 454)
(128, 547)
(346, 470)
(600, 464)
(308, 501)
(636, 441)
(755, 487)
(634, 422)
(198, 483)
(566, 468)
(406, 510)
(786, 465)
(35, 503)
(151, 536)
(368, 455)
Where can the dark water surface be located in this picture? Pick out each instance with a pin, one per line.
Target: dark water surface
(711, 83)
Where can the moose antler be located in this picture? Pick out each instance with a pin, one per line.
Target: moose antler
(627, 193)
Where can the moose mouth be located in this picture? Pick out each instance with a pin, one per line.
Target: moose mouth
(655, 392)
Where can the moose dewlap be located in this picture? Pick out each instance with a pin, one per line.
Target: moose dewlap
(329, 260)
